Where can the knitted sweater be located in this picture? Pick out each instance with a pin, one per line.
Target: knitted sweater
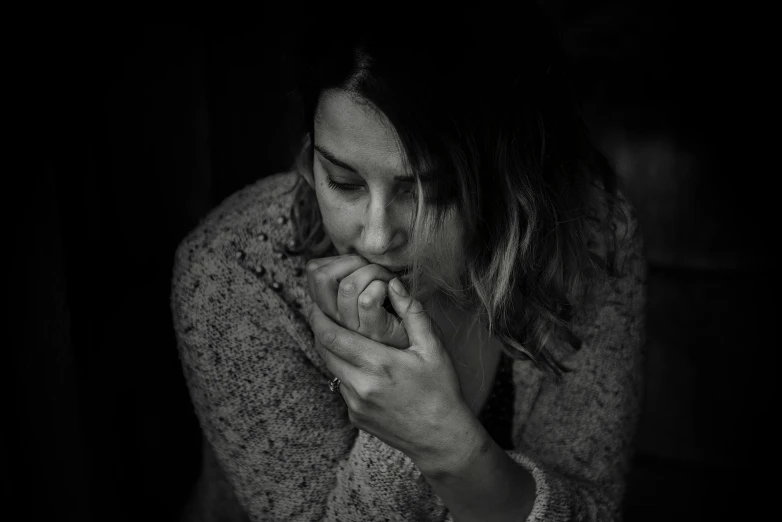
(278, 444)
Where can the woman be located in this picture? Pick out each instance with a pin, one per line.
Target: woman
(503, 381)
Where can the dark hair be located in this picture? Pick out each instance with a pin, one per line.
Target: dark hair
(485, 108)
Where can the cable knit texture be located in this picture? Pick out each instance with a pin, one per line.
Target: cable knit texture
(278, 445)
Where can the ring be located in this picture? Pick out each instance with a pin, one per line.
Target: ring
(334, 384)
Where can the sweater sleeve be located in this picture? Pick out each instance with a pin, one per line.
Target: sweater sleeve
(275, 429)
(577, 437)
(286, 446)
(577, 440)
(280, 438)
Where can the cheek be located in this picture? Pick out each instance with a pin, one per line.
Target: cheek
(332, 207)
(336, 216)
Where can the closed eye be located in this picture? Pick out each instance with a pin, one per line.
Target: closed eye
(345, 187)
(341, 186)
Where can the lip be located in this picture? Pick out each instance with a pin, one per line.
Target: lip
(396, 269)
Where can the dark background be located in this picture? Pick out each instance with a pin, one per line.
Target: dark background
(135, 131)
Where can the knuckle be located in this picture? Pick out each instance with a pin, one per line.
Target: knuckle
(380, 373)
(366, 302)
(354, 417)
(347, 288)
(328, 338)
(318, 275)
(313, 268)
(364, 392)
(414, 307)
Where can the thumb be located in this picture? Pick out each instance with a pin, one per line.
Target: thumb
(419, 324)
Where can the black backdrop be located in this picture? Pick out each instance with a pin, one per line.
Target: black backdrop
(134, 131)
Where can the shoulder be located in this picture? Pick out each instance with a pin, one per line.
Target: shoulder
(234, 259)
(236, 295)
(614, 305)
(614, 231)
(628, 257)
(250, 211)
(267, 198)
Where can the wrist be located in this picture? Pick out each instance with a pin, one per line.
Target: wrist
(461, 441)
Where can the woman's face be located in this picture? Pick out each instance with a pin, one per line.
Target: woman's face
(368, 211)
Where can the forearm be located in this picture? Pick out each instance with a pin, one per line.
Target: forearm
(487, 484)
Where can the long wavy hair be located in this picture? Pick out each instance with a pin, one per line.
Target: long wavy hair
(483, 108)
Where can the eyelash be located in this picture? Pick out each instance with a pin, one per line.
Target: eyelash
(350, 188)
(340, 186)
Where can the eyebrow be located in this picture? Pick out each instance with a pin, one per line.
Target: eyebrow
(340, 163)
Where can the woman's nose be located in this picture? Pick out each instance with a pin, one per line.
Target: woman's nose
(382, 231)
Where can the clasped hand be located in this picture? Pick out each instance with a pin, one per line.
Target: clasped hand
(397, 379)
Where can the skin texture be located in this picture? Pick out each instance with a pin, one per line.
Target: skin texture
(410, 399)
(351, 291)
(368, 226)
(415, 399)
(372, 220)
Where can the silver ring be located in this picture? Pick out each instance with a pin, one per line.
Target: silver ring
(334, 384)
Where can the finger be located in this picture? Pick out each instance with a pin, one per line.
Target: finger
(353, 286)
(317, 330)
(323, 278)
(348, 347)
(320, 261)
(338, 368)
(315, 264)
(347, 373)
(374, 320)
(420, 327)
(320, 328)
(370, 302)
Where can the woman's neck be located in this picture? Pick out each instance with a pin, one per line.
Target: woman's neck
(460, 328)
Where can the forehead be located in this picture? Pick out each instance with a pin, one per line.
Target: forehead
(357, 133)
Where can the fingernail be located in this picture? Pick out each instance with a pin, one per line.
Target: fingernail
(398, 287)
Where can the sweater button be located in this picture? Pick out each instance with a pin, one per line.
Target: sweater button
(240, 255)
(262, 236)
(282, 220)
(276, 286)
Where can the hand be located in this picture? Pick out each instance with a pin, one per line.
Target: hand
(410, 399)
(351, 292)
